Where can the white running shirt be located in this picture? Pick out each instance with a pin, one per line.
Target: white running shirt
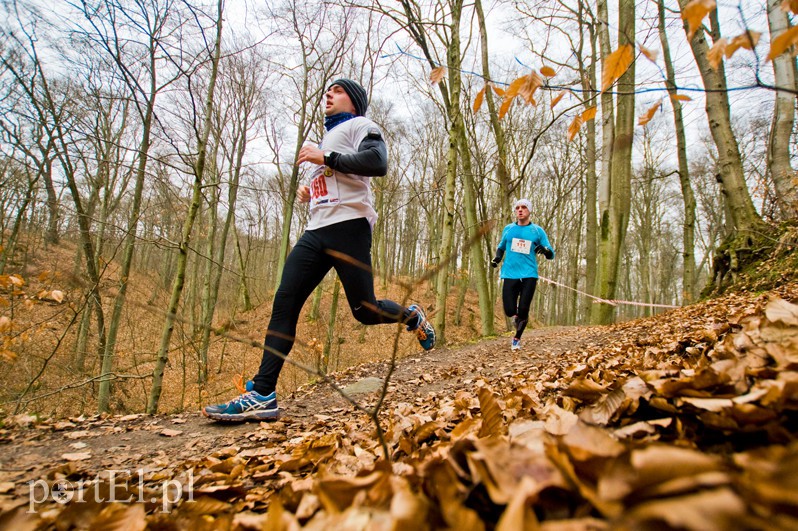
(337, 196)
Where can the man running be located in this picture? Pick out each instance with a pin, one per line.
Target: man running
(522, 241)
(338, 235)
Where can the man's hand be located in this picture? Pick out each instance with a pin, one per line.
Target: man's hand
(494, 263)
(303, 194)
(310, 153)
(545, 251)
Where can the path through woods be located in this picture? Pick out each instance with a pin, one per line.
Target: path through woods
(585, 428)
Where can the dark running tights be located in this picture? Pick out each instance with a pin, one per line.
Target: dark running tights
(307, 263)
(517, 298)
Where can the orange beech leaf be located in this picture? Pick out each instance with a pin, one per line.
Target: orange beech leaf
(492, 419)
(681, 97)
(651, 55)
(615, 65)
(790, 5)
(747, 40)
(589, 114)
(649, 114)
(780, 44)
(505, 107)
(547, 71)
(557, 98)
(715, 54)
(575, 126)
(479, 99)
(530, 85)
(694, 12)
(514, 88)
(437, 74)
(498, 90)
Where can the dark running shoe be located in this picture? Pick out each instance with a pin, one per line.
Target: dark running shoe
(424, 329)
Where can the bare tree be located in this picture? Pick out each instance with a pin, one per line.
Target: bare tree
(110, 27)
(744, 217)
(198, 168)
(688, 231)
(240, 90)
(779, 163)
(614, 213)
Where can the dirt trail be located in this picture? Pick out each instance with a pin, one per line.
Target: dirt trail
(695, 408)
(136, 442)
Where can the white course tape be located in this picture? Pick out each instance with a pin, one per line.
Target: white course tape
(613, 302)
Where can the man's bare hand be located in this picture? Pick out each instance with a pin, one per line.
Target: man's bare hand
(303, 194)
(310, 153)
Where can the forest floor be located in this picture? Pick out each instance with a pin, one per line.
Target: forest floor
(686, 420)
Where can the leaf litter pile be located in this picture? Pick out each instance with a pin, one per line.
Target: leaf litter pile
(681, 421)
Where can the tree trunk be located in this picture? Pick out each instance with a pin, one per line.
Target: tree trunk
(463, 282)
(243, 288)
(288, 209)
(417, 30)
(11, 243)
(129, 245)
(237, 163)
(502, 175)
(781, 171)
(315, 306)
(603, 184)
(177, 285)
(473, 229)
(688, 230)
(616, 218)
(572, 306)
(447, 241)
(744, 217)
(53, 208)
(324, 362)
(212, 246)
(82, 337)
(588, 78)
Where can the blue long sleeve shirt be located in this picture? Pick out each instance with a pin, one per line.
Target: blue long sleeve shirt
(518, 243)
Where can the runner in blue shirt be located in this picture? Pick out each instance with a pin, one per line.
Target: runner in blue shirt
(521, 241)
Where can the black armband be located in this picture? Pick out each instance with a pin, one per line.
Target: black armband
(371, 159)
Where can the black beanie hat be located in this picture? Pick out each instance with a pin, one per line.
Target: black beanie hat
(355, 92)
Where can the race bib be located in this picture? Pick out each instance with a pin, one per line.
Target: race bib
(521, 246)
(324, 188)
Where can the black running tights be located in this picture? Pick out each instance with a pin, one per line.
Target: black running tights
(345, 246)
(517, 299)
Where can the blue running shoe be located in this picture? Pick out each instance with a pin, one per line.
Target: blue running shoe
(248, 406)
(516, 345)
(424, 330)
